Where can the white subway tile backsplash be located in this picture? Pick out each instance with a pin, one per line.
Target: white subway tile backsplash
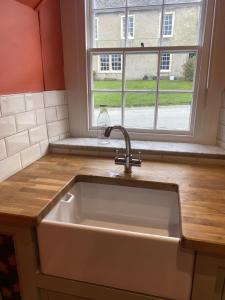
(40, 116)
(10, 166)
(17, 142)
(62, 112)
(24, 136)
(51, 115)
(58, 128)
(30, 155)
(38, 134)
(34, 101)
(26, 120)
(44, 147)
(53, 98)
(12, 104)
(3, 153)
(7, 126)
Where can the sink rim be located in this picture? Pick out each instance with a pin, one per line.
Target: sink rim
(121, 181)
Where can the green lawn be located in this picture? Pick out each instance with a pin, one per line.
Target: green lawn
(137, 99)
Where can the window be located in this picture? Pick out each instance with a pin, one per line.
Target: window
(130, 27)
(168, 22)
(110, 63)
(144, 78)
(116, 62)
(165, 61)
(191, 54)
(104, 62)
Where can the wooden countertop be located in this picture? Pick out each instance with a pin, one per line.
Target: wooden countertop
(27, 196)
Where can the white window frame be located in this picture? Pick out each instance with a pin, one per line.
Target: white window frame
(79, 84)
(172, 28)
(96, 27)
(170, 63)
(123, 20)
(110, 64)
(158, 50)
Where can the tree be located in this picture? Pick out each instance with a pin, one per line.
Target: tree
(189, 68)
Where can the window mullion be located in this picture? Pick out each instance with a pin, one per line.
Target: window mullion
(126, 26)
(123, 87)
(158, 70)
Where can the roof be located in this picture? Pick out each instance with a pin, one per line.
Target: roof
(100, 4)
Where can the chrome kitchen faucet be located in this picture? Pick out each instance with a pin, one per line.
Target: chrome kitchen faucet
(127, 160)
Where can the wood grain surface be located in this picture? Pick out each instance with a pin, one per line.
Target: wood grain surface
(28, 196)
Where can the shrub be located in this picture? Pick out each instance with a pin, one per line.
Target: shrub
(145, 77)
(189, 68)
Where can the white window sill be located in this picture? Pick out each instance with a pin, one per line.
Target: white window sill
(71, 145)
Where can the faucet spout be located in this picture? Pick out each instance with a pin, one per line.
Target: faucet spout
(125, 134)
(127, 161)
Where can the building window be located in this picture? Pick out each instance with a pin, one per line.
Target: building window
(110, 63)
(104, 62)
(96, 27)
(168, 22)
(191, 55)
(116, 62)
(165, 62)
(143, 81)
(130, 27)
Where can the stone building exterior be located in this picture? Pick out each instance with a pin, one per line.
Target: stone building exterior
(180, 26)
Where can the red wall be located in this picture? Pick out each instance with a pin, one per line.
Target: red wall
(20, 51)
(31, 3)
(51, 42)
(25, 35)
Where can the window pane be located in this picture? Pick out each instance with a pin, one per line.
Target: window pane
(174, 111)
(181, 1)
(101, 4)
(96, 28)
(107, 71)
(165, 62)
(110, 29)
(177, 71)
(168, 24)
(116, 62)
(146, 27)
(181, 24)
(130, 27)
(139, 110)
(144, 2)
(141, 71)
(113, 101)
(104, 62)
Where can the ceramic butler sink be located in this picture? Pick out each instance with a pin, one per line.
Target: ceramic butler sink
(106, 231)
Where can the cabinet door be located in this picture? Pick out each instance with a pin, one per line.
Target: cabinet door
(209, 278)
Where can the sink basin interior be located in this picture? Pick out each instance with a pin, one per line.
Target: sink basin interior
(142, 210)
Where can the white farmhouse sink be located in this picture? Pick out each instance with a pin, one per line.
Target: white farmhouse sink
(111, 233)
